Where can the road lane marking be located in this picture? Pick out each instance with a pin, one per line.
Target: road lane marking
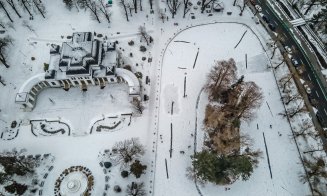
(317, 93)
(309, 77)
(325, 111)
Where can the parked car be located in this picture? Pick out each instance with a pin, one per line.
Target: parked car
(307, 88)
(271, 27)
(264, 18)
(295, 62)
(288, 49)
(321, 120)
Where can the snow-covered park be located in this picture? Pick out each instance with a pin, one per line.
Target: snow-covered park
(80, 129)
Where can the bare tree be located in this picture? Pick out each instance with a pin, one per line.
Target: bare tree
(26, 4)
(315, 168)
(136, 189)
(186, 7)
(126, 151)
(173, 6)
(40, 7)
(284, 82)
(288, 98)
(140, 3)
(138, 106)
(222, 74)
(204, 4)
(135, 6)
(4, 44)
(2, 81)
(162, 15)
(304, 129)
(2, 24)
(13, 6)
(242, 7)
(250, 98)
(91, 5)
(124, 5)
(151, 4)
(294, 110)
(104, 11)
(2, 5)
(144, 34)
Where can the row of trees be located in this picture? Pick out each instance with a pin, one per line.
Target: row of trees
(96, 7)
(30, 6)
(231, 100)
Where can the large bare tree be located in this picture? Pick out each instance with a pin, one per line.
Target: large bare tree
(4, 44)
(222, 74)
(249, 99)
(173, 6)
(144, 35)
(126, 151)
(39, 7)
(104, 10)
(90, 5)
(186, 7)
(136, 189)
(27, 6)
(124, 5)
(2, 5)
(204, 4)
(13, 6)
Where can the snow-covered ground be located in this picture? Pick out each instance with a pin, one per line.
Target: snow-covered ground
(282, 150)
(173, 52)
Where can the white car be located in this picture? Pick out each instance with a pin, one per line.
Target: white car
(288, 49)
(307, 88)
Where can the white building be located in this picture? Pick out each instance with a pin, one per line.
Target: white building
(83, 61)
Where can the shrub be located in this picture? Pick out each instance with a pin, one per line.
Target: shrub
(117, 189)
(124, 174)
(139, 75)
(128, 67)
(137, 168)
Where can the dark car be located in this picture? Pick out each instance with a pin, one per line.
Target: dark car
(321, 120)
(271, 27)
(265, 18)
(295, 62)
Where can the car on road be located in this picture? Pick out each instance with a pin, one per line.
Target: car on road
(264, 18)
(258, 8)
(288, 49)
(314, 102)
(271, 27)
(321, 120)
(307, 88)
(295, 62)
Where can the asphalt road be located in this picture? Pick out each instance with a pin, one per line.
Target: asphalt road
(316, 96)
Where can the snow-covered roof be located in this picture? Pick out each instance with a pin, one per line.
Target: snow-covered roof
(131, 79)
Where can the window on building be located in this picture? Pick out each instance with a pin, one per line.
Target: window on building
(75, 82)
(89, 81)
(53, 83)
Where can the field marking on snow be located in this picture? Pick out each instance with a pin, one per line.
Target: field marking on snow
(264, 140)
(196, 58)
